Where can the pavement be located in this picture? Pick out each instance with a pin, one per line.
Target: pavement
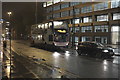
(69, 63)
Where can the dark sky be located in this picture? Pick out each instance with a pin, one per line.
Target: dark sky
(23, 14)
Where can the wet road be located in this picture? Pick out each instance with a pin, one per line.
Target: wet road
(23, 67)
(42, 64)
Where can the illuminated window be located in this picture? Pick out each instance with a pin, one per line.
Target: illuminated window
(101, 39)
(115, 29)
(45, 4)
(102, 28)
(116, 16)
(102, 18)
(56, 1)
(115, 3)
(49, 2)
(86, 29)
(86, 38)
(77, 21)
(87, 19)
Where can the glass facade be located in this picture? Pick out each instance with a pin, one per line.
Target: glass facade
(86, 29)
(116, 16)
(90, 19)
(102, 18)
(101, 6)
(86, 9)
(101, 28)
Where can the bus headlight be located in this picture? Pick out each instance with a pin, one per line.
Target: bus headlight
(105, 51)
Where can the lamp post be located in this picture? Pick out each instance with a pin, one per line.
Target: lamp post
(73, 28)
(10, 13)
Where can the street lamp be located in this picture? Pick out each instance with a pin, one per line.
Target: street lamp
(10, 13)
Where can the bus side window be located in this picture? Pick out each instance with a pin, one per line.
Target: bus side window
(50, 37)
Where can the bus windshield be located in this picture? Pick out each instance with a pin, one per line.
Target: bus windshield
(61, 35)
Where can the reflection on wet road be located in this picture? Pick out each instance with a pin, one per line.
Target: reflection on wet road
(26, 68)
(38, 63)
(83, 66)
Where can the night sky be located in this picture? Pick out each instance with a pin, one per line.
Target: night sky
(23, 15)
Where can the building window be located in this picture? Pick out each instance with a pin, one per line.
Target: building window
(115, 3)
(56, 1)
(76, 40)
(71, 29)
(44, 4)
(86, 29)
(87, 19)
(57, 7)
(101, 6)
(102, 28)
(115, 29)
(77, 21)
(116, 16)
(86, 9)
(71, 12)
(49, 17)
(77, 29)
(101, 39)
(115, 34)
(74, 3)
(65, 5)
(102, 18)
(77, 11)
(65, 13)
(50, 2)
(86, 38)
(49, 9)
(56, 15)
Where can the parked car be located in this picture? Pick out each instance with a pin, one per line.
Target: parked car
(95, 50)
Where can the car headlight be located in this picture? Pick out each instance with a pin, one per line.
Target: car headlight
(76, 47)
(105, 51)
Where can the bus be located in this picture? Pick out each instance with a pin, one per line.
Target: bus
(55, 33)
